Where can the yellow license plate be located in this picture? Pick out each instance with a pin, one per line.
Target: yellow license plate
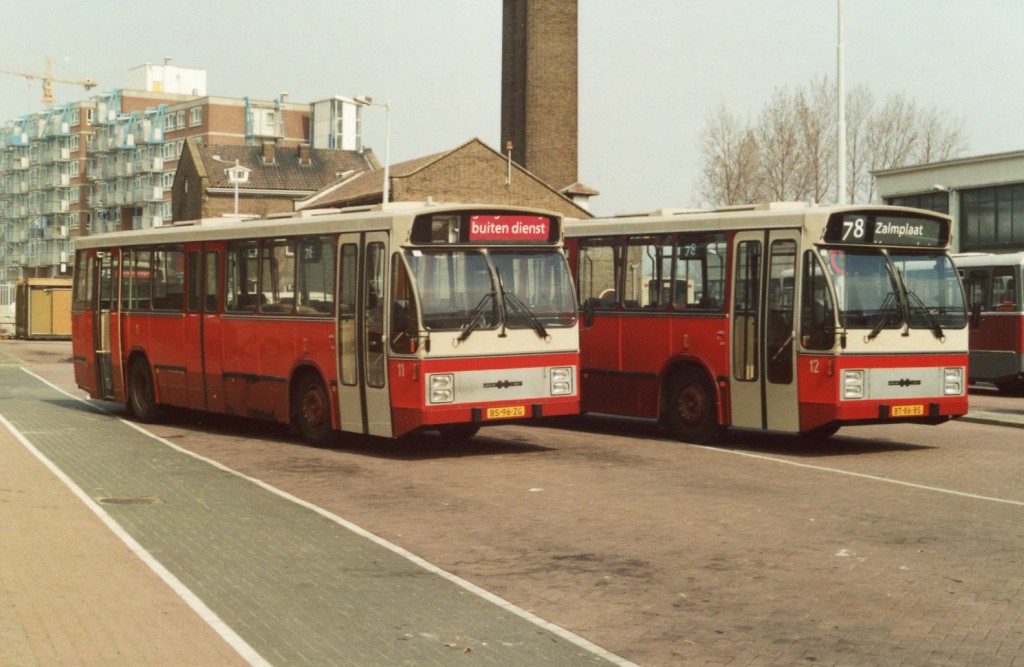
(907, 410)
(507, 412)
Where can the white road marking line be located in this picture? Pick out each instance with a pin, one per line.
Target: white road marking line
(191, 599)
(559, 631)
(876, 478)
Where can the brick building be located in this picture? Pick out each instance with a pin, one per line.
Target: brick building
(276, 177)
(108, 163)
(471, 173)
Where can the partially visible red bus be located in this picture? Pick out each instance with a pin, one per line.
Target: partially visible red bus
(781, 317)
(993, 284)
(382, 320)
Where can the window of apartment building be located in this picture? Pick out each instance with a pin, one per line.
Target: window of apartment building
(75, 169)
(992, 218)
(181, 119)
(90, 114)
(168, 151)
(169, 122)
(195, 116)
(75, 143)
(76, 117)
(167, 179)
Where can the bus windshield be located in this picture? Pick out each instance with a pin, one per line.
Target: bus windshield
(473, 289)
(879, 290)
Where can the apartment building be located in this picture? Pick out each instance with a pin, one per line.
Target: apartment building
(108, 163)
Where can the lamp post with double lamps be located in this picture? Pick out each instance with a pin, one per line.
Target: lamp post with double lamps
(237, 174)
(364, 101)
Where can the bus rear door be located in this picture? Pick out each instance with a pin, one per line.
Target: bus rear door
(202, 328)
(763, 383)
(363, 393)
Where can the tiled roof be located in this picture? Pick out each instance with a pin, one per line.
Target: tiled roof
(325, 166)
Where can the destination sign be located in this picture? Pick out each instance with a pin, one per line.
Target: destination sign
(888, 229)
(509, 228)
(485, 226)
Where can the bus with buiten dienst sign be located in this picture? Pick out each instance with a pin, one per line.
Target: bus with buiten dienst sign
(382, 321)
(993, 284)
(778, 317)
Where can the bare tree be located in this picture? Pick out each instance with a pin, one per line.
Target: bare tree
(729, 161)
(859, 103)
(816, 113)
(782, 159)
(790, 153)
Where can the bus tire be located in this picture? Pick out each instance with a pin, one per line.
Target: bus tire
(142, 393)
(312, 411)
(691, 408)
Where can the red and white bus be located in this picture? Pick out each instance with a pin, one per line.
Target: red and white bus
(993, 285)
(381, 321)
(782, 317)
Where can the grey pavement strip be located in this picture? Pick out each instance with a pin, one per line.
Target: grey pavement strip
(299, 586)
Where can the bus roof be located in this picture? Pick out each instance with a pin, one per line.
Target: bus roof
(970, 259)
(313, 221)
(776, 215)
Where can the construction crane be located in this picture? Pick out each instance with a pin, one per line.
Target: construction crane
(49, 80)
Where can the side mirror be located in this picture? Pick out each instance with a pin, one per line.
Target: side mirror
(975, 314)
(588, 312)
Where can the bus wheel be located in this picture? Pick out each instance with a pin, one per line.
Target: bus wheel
(691, 409)
(458, 432)
(141, 393)
(313, 411)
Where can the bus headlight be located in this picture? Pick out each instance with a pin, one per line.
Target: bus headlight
(561, 381)
(953, 381)
(442, 388)
(853, 384)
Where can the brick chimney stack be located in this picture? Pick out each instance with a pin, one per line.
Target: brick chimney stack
(539, 87)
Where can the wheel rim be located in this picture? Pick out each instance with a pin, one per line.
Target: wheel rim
(314, 409)
(690, 405)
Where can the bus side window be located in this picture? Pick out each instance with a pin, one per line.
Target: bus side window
(647, 273)
(816, 308)
(1004, 288)
(240, 277)
(598, 274)
(977, 289)
(404, 313)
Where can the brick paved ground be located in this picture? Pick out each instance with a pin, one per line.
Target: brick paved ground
(893, 545)
(295, 586)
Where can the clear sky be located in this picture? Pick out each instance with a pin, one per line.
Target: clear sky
(650, 70)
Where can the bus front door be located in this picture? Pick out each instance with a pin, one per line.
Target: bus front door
(106, 327)
(363, 392)
(763, 385)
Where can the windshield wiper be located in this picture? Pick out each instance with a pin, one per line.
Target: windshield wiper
(889, 306)
(514, 301)
(918, 304)
(535, 324)
(477, 316)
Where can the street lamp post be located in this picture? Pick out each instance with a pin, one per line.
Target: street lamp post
(365, 101)
(237, 175)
